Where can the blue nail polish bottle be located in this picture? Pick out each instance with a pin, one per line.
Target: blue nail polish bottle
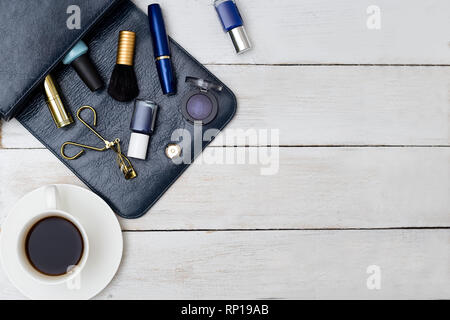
(232, 24)
(142, 126)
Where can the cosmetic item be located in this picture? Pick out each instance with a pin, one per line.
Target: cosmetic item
(80, 61)
(232, 24)
(125, 165)
(60, 115)
(173, 151)
(123, 83)
(161, 50)
(142, 126)
(200, 104)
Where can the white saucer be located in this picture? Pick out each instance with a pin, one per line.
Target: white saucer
(105, 243)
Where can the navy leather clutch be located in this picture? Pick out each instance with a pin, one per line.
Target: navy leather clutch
(25, 100)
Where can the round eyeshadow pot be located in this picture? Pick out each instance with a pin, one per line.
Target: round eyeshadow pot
(200, 104)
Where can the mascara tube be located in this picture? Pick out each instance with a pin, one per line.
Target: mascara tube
(161, 50)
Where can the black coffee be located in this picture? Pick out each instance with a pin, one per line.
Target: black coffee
(53, 244)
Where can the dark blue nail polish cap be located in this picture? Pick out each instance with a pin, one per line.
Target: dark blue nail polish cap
(228, 14)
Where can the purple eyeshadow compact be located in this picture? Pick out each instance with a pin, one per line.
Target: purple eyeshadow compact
(200, 104)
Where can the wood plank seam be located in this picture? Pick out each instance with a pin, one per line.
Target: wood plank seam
(325, 106)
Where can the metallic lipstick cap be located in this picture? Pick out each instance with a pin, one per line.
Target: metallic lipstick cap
(60, 115)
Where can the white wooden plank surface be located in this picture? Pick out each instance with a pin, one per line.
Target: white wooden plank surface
(315, 188)
(326, 106)
(315, 31)
(278, 264)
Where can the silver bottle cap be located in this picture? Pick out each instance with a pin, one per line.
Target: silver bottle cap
(240, 39)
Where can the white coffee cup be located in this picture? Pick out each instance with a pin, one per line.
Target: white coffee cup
(51, 199)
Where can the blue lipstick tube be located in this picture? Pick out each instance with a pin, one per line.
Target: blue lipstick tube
(161, 50)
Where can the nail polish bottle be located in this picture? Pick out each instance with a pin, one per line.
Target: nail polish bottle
(142, 126)
(232, 24)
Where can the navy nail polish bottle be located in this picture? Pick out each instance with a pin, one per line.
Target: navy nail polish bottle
(142, 126)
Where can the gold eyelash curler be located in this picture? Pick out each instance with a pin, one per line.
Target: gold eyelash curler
(123, 162)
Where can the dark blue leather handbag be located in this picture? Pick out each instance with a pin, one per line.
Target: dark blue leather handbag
(34, 40)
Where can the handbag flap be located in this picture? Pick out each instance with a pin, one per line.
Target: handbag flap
(35, 36)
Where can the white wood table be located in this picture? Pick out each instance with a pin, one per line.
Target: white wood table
(363, 183)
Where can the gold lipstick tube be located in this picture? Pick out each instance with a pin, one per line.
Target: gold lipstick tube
(60, 115)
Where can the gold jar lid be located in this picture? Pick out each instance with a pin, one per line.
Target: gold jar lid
(173, 151)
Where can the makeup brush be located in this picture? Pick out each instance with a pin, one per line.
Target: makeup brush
(123, 83)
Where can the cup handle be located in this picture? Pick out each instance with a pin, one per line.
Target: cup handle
(51, 197)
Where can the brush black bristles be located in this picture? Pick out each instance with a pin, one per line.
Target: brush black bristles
(123, 83)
